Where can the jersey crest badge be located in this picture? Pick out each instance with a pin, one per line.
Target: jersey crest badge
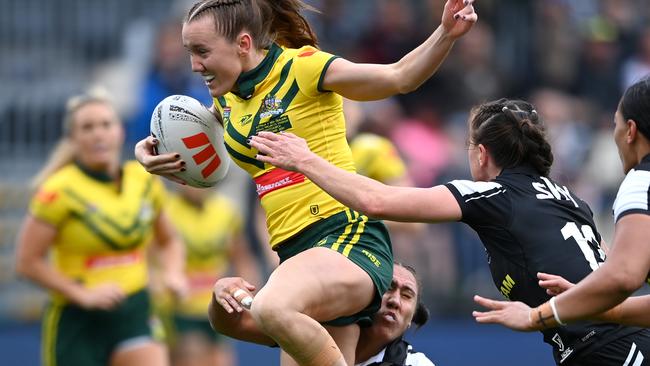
(271, 106)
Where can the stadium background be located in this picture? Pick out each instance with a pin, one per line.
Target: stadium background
(571, 58)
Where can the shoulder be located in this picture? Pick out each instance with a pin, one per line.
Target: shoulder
(61, 178)
(633, 193)
(467, 189)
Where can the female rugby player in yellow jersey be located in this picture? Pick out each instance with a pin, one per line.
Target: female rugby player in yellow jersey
(96, 217)
(260, 62)
(211, 228)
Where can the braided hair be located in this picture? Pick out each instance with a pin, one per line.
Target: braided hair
(513, 133)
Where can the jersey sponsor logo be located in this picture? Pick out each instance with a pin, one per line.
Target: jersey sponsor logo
(549, 190)
(246, 119)
(564, 355)
(558, 340)
(276, 179)
(276, 125)
(506, 286)
(47, 197)
(106, 261)
(208, 153)
(372, 258)
(307, 53)
(589, 335)
(200, 281)
(271, 107)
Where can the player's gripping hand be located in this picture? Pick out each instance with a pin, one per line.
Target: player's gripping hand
(233, 294)
(164, 164)
(283, 150)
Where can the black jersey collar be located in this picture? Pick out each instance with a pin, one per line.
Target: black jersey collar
(645, 159)
(245, 85)
(520, 169)
(96, 175)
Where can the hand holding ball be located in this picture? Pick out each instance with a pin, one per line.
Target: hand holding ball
(185, 126)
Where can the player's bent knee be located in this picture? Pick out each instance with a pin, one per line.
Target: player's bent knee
(270, 315)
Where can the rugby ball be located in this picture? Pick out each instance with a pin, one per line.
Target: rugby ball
(185, 126)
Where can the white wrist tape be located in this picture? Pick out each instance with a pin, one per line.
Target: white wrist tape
(243, 298)
(555, 314)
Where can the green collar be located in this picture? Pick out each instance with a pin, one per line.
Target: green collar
(245, 85)
(96, 175)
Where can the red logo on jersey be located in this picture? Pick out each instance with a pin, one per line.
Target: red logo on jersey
(198, 140)
(307, 53)
(276, 179)
(46, 197)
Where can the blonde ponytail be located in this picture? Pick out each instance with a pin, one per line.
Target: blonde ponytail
(62, 155)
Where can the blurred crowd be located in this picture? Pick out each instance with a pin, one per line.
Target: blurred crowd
(571, 58)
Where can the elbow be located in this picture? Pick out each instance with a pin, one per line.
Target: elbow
(373, 206)
(404, 84)
(22, 268)
(626, 282)
(406, 88)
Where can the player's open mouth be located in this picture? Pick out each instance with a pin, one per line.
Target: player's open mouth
(208, 79)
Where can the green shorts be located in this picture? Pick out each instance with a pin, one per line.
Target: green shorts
(363, 241)
(73, 336)
(184, 324)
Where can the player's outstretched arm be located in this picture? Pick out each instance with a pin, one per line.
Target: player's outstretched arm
(374, 81)
(288, 151)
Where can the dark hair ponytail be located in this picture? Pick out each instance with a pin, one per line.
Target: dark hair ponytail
(267, 21)
(635, 105)
(290, 27)
(512, 133)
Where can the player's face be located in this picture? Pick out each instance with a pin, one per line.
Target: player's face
(625, 152)
(212, 56)
(398, 304)
(97, 134)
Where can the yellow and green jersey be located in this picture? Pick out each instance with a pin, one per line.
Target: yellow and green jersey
(284, 93)
(102, 227)
(207, 232)
(377, 158)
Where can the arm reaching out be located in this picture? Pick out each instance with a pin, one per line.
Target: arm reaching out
(290, 152)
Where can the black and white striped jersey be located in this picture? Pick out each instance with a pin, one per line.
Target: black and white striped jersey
(530, 224)
(634, 193)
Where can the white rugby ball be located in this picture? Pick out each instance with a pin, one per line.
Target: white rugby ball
(185, 126)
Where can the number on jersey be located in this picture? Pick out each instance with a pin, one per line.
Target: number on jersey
(593, 253)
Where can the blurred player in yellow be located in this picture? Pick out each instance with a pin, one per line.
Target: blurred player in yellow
(211, 228)
(95, 216)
